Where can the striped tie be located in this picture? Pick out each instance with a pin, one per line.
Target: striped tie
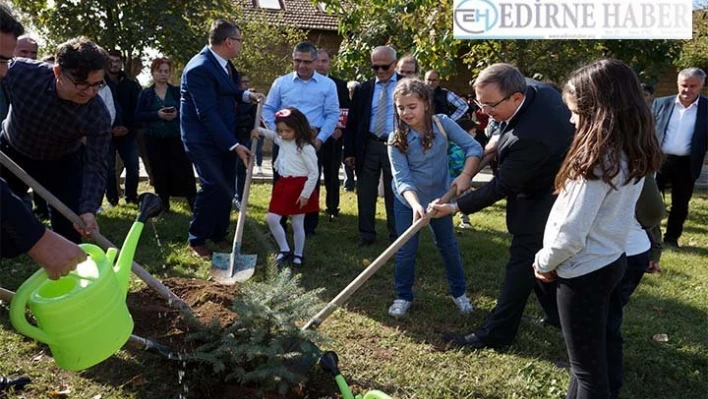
(381, 112)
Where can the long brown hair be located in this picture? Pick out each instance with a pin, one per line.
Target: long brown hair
(614, 121)
(416, 87)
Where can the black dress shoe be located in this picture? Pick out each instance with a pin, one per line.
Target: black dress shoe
(463, 340)
(672, 243)
(365, 242)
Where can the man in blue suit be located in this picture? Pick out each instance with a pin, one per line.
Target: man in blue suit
(210, 94)
(682, 131)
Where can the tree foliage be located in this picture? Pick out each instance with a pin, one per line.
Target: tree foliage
(178, 29)
(694, 52)
(263, 346)
(423, 28)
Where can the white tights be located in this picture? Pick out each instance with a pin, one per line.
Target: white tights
(298, 222)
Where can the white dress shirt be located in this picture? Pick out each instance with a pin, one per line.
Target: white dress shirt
(679, 130)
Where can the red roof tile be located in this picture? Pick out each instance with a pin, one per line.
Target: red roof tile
(300, 13)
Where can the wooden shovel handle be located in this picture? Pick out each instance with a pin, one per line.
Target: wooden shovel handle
(366, 274)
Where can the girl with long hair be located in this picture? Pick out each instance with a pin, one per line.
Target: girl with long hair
(419, 164)
(598, 185)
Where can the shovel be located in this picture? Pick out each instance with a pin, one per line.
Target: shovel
(309, 348)
(237, 267)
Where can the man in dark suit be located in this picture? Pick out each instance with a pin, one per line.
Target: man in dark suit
(535, 136)
(682, 130)
(331, 151)
(210, 93)
(369, 122)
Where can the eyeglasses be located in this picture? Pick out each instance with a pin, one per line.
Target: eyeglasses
(236, 39)
(381, 67)
(489, 107)
(306, 62)
(82, 86)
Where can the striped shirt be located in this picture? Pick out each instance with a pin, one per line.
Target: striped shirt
(42, 126)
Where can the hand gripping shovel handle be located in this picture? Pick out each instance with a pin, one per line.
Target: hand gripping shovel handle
(241, 222)
(100, 239)
(367, 273)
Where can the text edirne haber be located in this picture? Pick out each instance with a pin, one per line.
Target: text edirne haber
(593, 15)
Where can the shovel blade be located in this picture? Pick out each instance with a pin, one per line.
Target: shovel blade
(244, 267)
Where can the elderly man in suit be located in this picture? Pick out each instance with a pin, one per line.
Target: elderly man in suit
(535, 136)
(210, 93)
(682, 130)
(369, 122)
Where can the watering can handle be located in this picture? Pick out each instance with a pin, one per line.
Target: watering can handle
(19, 303)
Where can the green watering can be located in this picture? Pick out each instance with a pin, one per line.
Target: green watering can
(83, 316)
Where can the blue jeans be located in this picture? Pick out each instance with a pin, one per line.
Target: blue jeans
(444, 238)
(127, 147)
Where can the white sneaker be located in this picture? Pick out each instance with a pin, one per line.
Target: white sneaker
(463, 303)
(236, 203)
(259, 170)
(465, 222)
(399, 308)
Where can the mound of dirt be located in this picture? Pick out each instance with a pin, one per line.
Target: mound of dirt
(156, 320)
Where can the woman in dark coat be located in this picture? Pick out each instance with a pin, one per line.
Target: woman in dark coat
(158, 110)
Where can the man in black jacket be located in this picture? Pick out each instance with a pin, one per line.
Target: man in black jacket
(369, 123)
(124, 137)
(331, 151)
(535, 136)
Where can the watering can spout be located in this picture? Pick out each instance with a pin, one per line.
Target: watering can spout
(150, 206)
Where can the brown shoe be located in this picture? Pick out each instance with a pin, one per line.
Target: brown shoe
(224, 246)
(200, 251)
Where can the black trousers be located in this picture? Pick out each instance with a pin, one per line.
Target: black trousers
(503, 323)
(331, 156)
(584, 304)
(368, 174)
(636, 266)
(312, 219)
(61, 177)
(172, 173)
(676, 173)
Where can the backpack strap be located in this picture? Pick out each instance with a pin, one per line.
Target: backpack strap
(440, 126)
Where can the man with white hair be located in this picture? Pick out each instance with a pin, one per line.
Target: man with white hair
(682, 131)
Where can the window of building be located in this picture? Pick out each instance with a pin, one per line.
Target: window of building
(270, 4)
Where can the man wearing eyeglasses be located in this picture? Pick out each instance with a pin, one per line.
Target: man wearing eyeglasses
(53, 107)
(315, 95)
(369, 122)
(535, 134)
(210, 96)
(445, 101)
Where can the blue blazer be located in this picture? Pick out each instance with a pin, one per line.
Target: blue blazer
(663, 107)
(208, 103)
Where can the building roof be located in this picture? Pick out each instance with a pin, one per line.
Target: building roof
(303, 14)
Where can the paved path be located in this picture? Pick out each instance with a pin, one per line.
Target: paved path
(267, 175)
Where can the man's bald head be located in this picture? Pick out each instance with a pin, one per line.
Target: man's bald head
(26, 47)
(383, 59)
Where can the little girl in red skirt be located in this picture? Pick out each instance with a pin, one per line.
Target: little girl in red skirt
(294, 193)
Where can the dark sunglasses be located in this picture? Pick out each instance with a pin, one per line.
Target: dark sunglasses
(381, 67)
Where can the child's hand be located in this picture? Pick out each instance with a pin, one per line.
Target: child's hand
(418, 212)
(302, 201)
(255, 133)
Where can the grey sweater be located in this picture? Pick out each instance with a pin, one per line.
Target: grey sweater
(588, 226)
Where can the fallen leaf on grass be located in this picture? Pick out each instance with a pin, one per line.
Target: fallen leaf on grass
(60, 394)
(99, 396)
(365, 262)
(660, 338)
(657, 309)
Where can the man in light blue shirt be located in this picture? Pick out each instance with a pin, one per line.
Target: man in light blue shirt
(314, 95)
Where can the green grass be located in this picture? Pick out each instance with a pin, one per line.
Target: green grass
(405, 358)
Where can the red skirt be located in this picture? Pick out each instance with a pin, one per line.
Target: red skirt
(286, 193)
